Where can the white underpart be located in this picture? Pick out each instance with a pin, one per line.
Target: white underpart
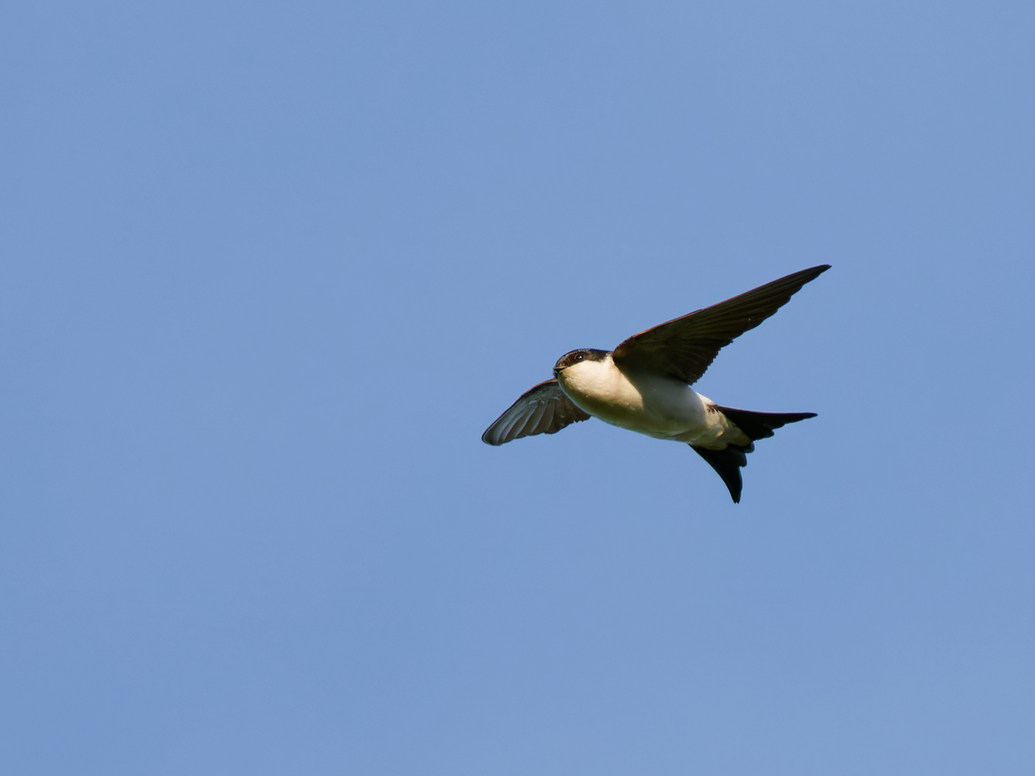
(649, 403)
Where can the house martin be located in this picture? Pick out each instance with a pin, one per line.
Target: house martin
(643, 385)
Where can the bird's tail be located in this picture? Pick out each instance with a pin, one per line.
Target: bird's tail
(756, 425)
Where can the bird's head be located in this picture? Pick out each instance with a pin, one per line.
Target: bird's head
(576, 357)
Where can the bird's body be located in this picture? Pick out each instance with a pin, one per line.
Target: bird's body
(643, 385)
(646, 402)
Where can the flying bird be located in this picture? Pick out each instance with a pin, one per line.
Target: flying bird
(643, 385)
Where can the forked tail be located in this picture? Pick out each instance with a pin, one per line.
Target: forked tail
(757, 425)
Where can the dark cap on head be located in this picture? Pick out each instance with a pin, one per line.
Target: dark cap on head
(575, 356)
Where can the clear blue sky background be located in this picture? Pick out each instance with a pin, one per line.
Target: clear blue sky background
(268, 270)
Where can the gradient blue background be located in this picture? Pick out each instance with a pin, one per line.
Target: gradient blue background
(268, 270)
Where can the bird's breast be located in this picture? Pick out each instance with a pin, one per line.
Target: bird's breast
(648, 403)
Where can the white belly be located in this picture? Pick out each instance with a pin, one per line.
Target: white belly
(647, 403)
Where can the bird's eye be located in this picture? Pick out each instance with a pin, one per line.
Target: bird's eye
(579, 356)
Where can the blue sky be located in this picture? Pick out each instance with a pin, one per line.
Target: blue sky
(269, 270)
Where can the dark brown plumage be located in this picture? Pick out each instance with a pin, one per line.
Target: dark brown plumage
(685, 347)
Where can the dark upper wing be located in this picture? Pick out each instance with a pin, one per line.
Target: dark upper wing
(685, 347)
(542, 410)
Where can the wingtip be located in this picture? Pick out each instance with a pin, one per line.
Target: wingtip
(812, 272)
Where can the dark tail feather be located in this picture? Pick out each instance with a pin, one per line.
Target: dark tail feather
(757, 425)
(727, 463)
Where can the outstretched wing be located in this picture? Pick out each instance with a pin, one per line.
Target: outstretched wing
(686, 346)
(542, 410)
